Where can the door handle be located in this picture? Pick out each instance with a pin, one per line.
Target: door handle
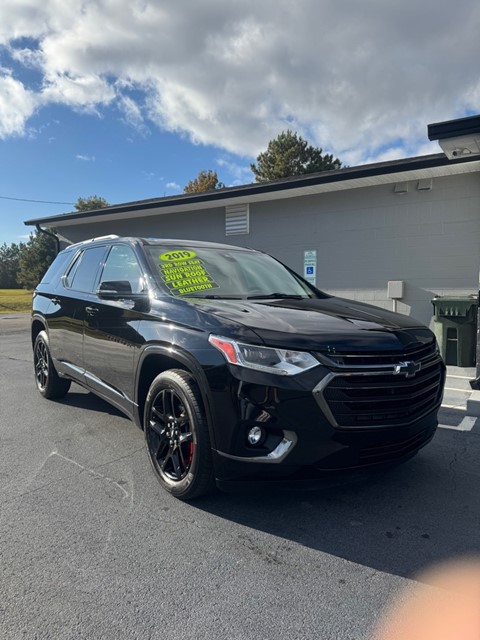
(91, 311)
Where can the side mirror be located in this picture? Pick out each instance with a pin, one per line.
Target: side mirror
(122, 290)
(113, 289)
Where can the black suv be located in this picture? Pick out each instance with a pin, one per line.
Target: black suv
(235, 367)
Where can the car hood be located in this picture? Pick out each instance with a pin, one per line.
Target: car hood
(320, 323)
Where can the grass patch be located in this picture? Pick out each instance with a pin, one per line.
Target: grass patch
(15, 301)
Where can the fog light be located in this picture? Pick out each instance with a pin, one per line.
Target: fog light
(255, 435)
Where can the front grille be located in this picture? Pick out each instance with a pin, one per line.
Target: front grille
(397, 450)
(378, 358)
(370, 395)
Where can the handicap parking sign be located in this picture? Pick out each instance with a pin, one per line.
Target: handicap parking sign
(310, 265)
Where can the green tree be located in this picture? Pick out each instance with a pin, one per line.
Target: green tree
(205, 181)
(35, 258)
(9, 259)
(90, 203)
(290, 155)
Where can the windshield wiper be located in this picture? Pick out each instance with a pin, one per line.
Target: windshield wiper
(282, 296)
(211, 296)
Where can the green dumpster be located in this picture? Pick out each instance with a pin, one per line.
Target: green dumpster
(455, 327)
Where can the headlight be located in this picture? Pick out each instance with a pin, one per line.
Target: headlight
(282, 362)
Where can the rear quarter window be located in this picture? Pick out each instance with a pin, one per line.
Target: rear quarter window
(56, 269)
(82, 273)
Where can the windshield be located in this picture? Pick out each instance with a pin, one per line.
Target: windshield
(223, 273)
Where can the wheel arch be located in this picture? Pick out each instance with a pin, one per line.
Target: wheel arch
(37, 325)
(155, 360)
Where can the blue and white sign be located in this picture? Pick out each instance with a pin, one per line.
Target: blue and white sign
(310, 266)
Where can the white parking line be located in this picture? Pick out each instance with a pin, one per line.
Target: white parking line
(460, 377)
(466, 424)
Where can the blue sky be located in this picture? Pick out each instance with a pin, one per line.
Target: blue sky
(130, 99)
(68, 154)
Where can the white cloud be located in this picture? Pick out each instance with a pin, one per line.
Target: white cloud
(360, 79)
(241, 174)
(173, 186)
(83, 92)
(85, 158)
(17, 104)
(132, 114)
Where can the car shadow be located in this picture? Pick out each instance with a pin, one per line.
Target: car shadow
(83, 399)
(399, 521)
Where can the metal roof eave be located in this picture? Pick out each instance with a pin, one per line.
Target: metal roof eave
(342, 179)
(454, 128)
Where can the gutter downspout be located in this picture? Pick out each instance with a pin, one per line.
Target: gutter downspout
(48, 233)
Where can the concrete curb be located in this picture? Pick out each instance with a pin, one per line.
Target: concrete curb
(473, 404)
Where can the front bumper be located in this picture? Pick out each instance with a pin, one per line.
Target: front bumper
(301, 441)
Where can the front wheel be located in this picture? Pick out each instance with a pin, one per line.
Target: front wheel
(176, 434)
(49, 384)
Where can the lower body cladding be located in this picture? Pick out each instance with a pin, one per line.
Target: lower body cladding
(271, 428)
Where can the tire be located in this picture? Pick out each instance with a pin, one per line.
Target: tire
(176, 435)
(49, 384)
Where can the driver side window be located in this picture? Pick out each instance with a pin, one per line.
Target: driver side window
(121, 267)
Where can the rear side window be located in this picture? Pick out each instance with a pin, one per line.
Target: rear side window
(55, 270)
(81, 275)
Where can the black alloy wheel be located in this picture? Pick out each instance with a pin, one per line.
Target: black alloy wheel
(49, 384)
(177, 437)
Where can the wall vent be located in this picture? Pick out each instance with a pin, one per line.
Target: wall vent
(424, 185)
(237, 219)
(401, 187)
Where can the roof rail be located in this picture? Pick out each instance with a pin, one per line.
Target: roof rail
(82, 242)
(112, 236)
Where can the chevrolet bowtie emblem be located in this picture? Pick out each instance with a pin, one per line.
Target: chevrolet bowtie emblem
(408, 368)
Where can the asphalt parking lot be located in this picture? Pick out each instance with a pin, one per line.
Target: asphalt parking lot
(92, 547)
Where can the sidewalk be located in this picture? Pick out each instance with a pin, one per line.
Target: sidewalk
(457, 387)
(461, 405)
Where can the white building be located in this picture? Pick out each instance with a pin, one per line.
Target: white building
(415, 220)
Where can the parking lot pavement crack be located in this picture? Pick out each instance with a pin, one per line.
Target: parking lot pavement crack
(451, 467)
(15, 359)
(83, 469)
(125, 457)
(94, 473)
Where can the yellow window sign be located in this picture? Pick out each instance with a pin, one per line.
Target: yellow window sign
(184, 273)
(178, 254)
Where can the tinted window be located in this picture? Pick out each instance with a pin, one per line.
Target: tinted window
(195, 271)
(81, 275)
(56, 268)
(121, 267)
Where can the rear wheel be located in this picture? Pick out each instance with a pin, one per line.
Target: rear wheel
(176, 434)
(49, 384)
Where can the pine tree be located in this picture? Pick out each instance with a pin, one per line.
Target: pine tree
(90, 203)
(290, 155)
(35, 258)
(9, 260)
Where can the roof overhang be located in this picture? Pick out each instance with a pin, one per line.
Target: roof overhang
(458, 138)
(419, 168)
